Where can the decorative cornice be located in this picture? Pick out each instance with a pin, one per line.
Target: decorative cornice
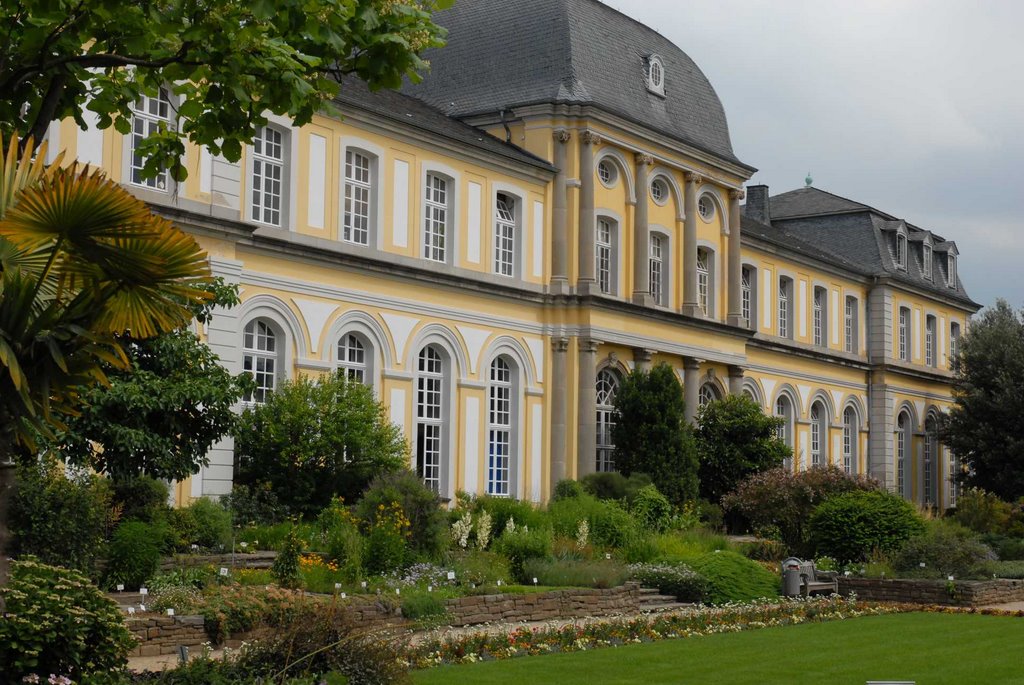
(644, 159)
(693, 177)
(588, 345)
(562, 136)
(590, 138)
(736, 195)
(560, 344)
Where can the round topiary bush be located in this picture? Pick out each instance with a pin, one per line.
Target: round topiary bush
(731, 577)
(849, 526)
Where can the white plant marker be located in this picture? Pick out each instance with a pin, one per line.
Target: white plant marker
(223, 571)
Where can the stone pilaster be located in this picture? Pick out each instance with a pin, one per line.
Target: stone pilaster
(691, 303)
(691, 387)
(736, 380)
(586, 283)
(641, 235)
(559, 400)
(560, 216)
(735, 315)
(586, 458)
(642, 358)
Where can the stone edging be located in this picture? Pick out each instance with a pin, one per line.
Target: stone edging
(964, 593)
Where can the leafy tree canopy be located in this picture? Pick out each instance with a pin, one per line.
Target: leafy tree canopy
(161, 415)
(227, 62)
(735, 439)
(984, 427)
(651, 434)
(317, 439)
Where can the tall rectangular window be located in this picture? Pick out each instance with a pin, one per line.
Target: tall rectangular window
(901, 251)
(818, 320)
(929, 341)
(926, 260)
(499, 428)
(603, 255)
(435, 223)
(904, 332)
(656, 287)
(745, 295)
(149, 115)
(784, 287)
(951, 270)
(954, 346)
(704, 280)
(267, 175)
(429, 421)
(850, 332)
(358, 191)
(504, 236)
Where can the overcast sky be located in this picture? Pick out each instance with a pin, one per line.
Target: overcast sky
(913, 107)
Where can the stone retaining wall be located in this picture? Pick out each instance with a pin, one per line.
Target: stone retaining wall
(158, 634)
(263, 559)
(972, 593)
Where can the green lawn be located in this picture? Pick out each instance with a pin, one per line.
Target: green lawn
(927, 648)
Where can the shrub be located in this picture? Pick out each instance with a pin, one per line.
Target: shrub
(982, 512)
(1005, 547)
(326, 636)
(731, 577)
(1002, 569)
(566, 489)
(764, 550)
(778, 503)
(286, 564)
(421, 506)
(652, 509)
(213, 523)
(651, 434)
(946, 548)
(735, 439)
(57, 622)
(417, 606)
(614, 485)
(256, 505)
(184, 599)
(58, 519)
(502, 509)
(682, 546)
(134, 553)
(341, 539)
(386, 540)
(142, 499)
(677, 580)
(229, 609)
(481, 568)
(572, 573)
(849, 526)
(313, 440)
(521, 545)
(609, 524)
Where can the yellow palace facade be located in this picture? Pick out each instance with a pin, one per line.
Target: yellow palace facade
(557, 204)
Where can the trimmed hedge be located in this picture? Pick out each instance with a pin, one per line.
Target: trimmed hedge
(850, 526)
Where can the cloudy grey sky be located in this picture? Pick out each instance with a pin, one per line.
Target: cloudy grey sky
(912, 106)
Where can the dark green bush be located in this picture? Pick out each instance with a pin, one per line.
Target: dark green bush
(502, 509)
(678, 580)
(286, 563)
(731, 577)
(58, 622)
(573, 573)
(522, 545)
(1006, 548)
(256, 505)
(651, 509)
(610, 525)
(142, 499)
(567, 489)
(850, 526)
(421, 505)
(764, 550)
(385, 550)
(1002, 569)
(614, 485)
(982, 512)
(341, 540)
(213, 523)
(946, 548)
(134, 553)
(58, 519)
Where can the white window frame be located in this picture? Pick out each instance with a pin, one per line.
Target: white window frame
(355, 360)
(851, 430)
(784, 409)
(819, 434)
(268, 176)
(903, 334)
(951, 270)
(607, 172)
(507, 209)
(819, 318)
(929, 470)
(930, 340)
(851, 330)
(354, 187)
(606, 255)
(438, 228)
(954, 345)
(656, 269)
(655, 75)
(904, 446)
(430, 414)
(706, 208)
(149, 121)
(502, 412)
(706, 281)
(263, 345)
(926, 260)
(784, 305)
(607, 385)
(901, 251)
(707, 394)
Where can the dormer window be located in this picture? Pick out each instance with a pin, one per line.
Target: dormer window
(655, 75)
(951, 270)
(926, 259)
(901, 251)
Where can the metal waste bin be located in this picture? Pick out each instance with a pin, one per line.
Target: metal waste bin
(791, 581)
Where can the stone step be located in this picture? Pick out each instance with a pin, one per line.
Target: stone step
(649, 591)
(657, 607)
(655, 599)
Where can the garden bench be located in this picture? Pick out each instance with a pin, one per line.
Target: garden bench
(813, 580)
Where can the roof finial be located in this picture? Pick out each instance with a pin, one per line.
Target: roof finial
(808, 181)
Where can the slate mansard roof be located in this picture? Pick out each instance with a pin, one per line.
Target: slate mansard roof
(860, 236)
(508, 53)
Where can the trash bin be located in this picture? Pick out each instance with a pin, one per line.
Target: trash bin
(791, 582)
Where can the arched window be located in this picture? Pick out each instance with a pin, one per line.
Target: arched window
(931, 462)
(261, 358)
(505, 235)
(431, 398)
(657, 288)
(851, 439)
(820, 318)
(784, 410)
(707, 394)
(704, 280)
(785, 310)
(607, 385)
(903, 448)
(359, 189)
(354, 358)
(819, 435)
(501, 412)
(606, 255)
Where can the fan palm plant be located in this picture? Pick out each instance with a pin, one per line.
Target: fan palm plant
(81, 261)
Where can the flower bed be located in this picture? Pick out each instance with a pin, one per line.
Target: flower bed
(467, 648)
